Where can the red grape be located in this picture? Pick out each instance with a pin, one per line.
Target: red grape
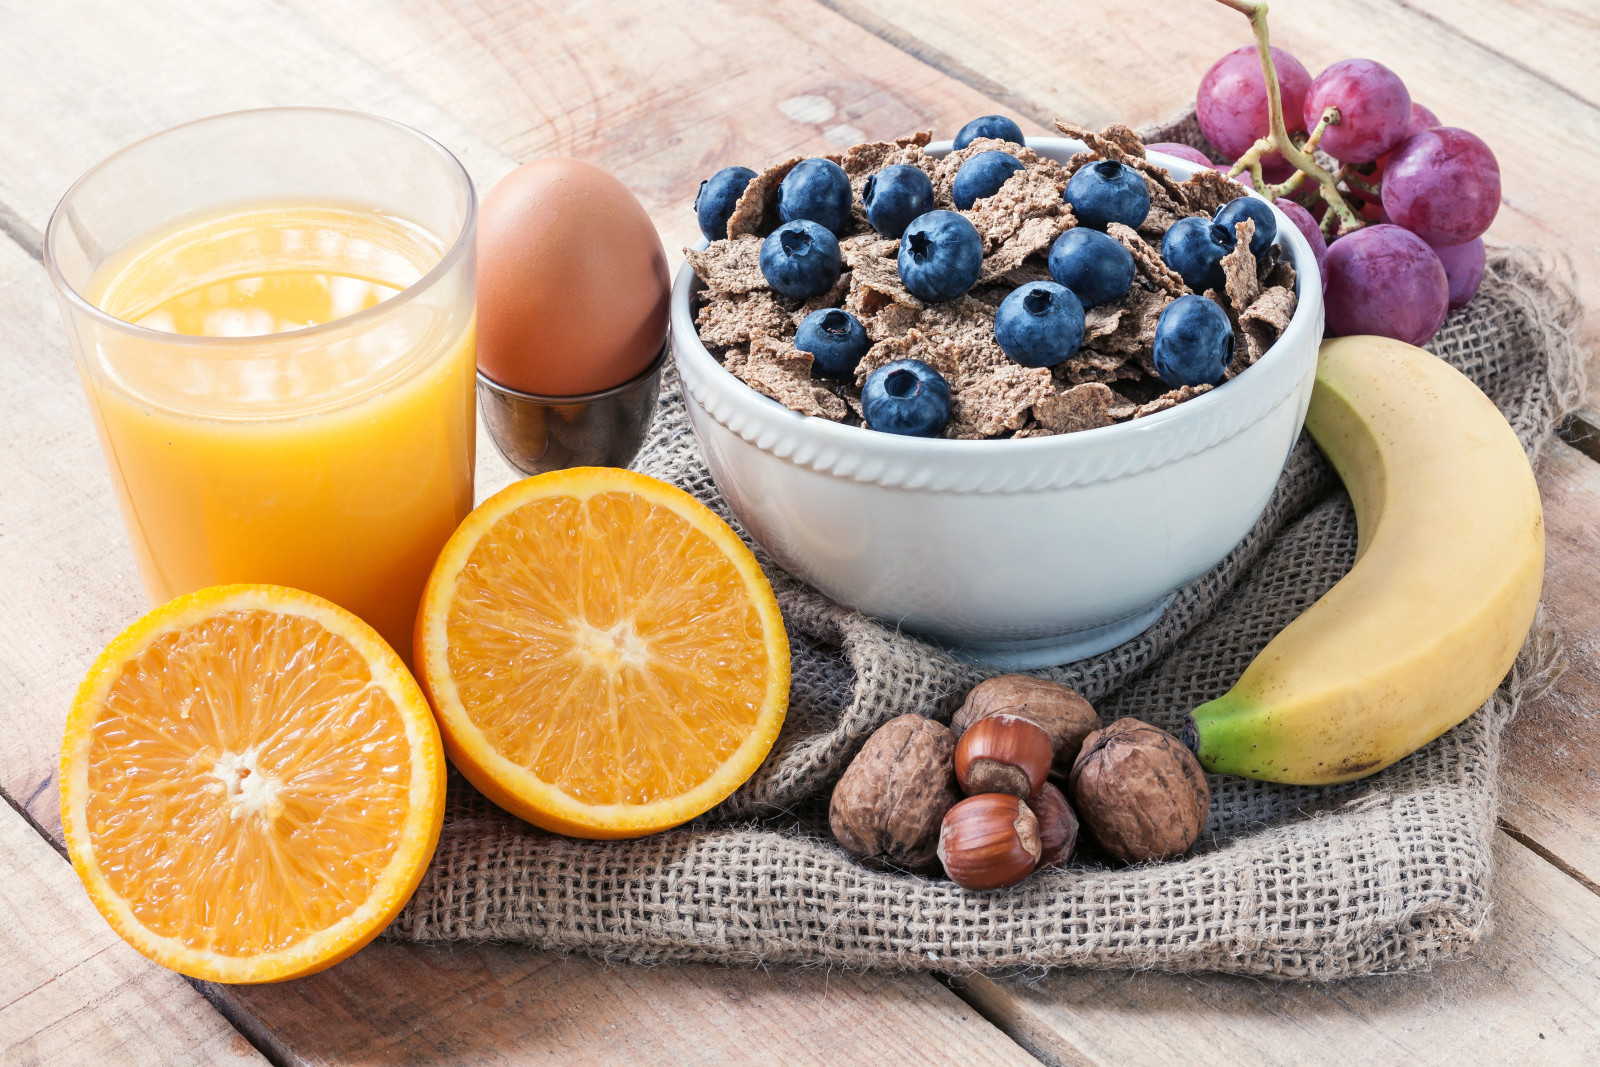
(1371, 209)
(1421, 119)
(1463, 266)
(1232, 102)
(1374, 109)
(1385, 280)
(1309, 230)
(1182, 151)
(1444, 185)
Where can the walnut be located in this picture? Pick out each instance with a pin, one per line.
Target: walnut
(1139, 792)
(891, 800)
(1061, 711)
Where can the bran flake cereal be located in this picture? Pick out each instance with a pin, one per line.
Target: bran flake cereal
(1111, 378)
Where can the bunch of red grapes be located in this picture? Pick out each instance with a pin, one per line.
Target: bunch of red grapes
(1427, 192)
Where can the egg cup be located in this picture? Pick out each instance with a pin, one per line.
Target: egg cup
(537, 434)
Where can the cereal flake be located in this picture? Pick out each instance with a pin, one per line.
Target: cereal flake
(730, 266)
(1082, 407)
(1207, 190)
(1239, 267)
(728, 318)
(783, 372)
(1147, 259)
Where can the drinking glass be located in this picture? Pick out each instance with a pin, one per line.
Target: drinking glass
(335, 458)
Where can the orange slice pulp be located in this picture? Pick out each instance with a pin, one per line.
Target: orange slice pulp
(252, 784)
(605, 657)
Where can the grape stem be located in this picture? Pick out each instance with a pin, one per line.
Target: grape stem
(1341, 218)
(1357, 181)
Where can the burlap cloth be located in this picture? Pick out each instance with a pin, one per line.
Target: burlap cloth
(1386, 874)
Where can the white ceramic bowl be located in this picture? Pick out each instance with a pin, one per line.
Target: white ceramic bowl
(1015, 553)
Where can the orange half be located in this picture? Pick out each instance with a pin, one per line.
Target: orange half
(252, 784)
(605, 657)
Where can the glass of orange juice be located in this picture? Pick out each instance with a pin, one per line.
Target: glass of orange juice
(272, 313)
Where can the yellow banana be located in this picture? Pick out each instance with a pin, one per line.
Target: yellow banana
(1449, 565)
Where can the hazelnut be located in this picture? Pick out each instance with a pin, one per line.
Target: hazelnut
(890, 801)
(1058, 826)
(989, 841)
(1057, 709)
(1139, 792)
(1003, 754)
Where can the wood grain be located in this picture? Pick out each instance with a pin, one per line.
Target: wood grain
(660, 94)
(72, 992)
(497, 1004)
(1529, 996)
(82, 80)
(1550, 768)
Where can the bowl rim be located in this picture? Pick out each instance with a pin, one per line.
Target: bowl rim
(891, 447)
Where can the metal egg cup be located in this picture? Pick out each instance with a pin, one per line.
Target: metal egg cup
(538, 434)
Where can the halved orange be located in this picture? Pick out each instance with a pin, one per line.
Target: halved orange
(252, 784)
(604, 654)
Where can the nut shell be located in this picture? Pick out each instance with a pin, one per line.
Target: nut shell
(1059, 710)
(1139, 792)
(1058, 826)
(890, 802)
(989, 841)
(1003, 754)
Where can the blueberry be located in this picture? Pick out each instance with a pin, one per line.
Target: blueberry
(835, 340)
(1106, 192)
(800, 259)
(716, 199)
(819, 190)
(1194, 247)
(896, 195)
(1095, 267)
(1039, 324)
(997, 126)
(982, 176)
(1248, 207)
(1194, 342)
(907, 397)
(940, 256)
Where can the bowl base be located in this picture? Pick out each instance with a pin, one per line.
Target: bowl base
(1062, 648)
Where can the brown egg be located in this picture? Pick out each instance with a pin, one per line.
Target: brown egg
(572, 282)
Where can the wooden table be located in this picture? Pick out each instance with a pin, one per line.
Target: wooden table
(662, 94)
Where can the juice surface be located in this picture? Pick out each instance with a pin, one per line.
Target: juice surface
(336, 460)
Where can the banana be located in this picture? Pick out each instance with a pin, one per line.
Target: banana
(1449, 565)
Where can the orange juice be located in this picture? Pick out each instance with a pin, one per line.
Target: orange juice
(333, 452)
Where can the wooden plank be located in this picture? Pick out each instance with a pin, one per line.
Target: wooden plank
(1550, 769)
(84, 79)
(72, 992)
(1528, 996)
(496, 1004)
(660, 94)
(1523, 32)
(67, 584)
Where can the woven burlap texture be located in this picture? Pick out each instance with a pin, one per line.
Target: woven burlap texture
(1386, 874)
